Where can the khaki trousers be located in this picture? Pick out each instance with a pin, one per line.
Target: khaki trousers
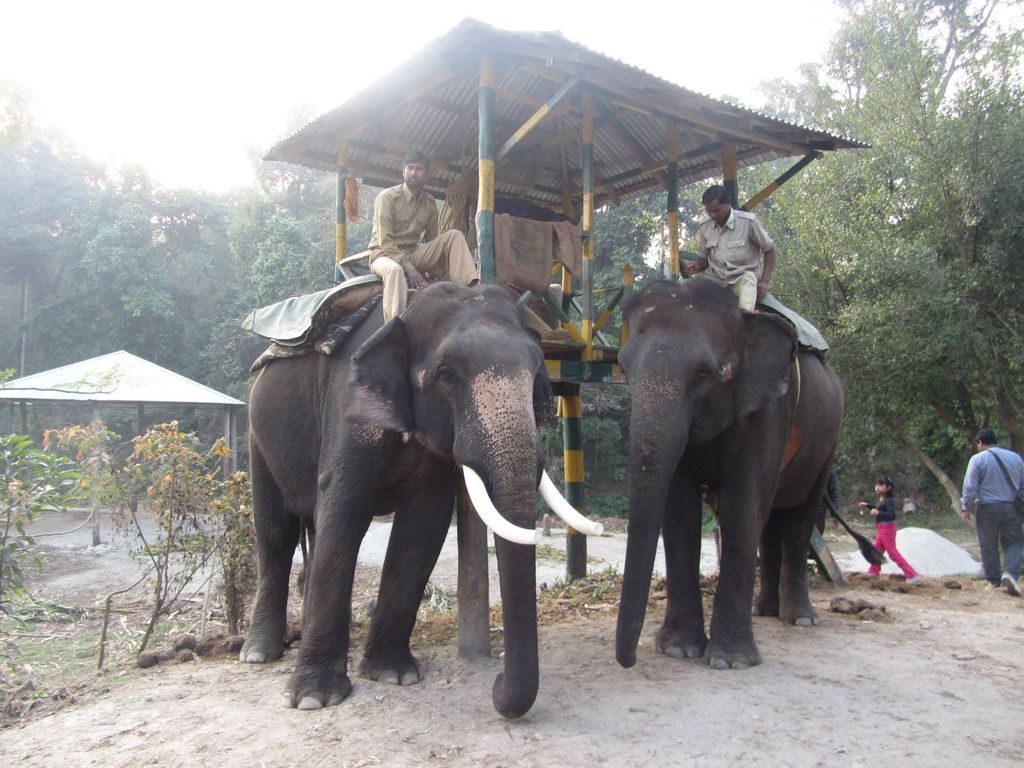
(446, 257)
(745, 290)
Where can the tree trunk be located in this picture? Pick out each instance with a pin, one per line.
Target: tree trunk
(24, 326)
(935, 469)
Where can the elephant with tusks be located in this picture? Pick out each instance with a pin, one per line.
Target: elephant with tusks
(457, 383)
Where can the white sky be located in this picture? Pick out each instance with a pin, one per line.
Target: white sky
(190, 90)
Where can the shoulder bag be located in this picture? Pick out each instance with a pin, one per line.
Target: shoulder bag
(1018, 500)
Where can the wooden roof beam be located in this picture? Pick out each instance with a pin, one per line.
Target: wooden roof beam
(534, 120)
(638, 150)
(693, 172)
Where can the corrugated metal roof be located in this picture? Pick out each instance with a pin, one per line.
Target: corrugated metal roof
(119, 377)
(430, 104)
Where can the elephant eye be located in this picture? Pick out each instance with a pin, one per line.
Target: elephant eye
(446, 375)
(702, 377)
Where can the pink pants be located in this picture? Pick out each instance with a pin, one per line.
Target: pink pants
(886, 542)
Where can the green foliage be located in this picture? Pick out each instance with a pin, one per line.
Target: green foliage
(909, 254)
(175, 509)
(236, 546)
(197, 516)
(32, 481)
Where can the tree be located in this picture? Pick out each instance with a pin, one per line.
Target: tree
(32, 481)
(916, 274)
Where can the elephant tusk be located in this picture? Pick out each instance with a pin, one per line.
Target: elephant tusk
(492, 517)
(561, 507)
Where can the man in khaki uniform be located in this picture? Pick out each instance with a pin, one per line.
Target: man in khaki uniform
(732, 244)
(404, 242)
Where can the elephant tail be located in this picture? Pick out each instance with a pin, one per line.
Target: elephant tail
(867, 549)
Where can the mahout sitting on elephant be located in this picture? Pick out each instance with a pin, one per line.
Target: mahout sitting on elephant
(382, 426)
(721, 399)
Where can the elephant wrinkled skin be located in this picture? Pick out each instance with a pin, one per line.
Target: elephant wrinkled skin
(721, 399)
(379, 427)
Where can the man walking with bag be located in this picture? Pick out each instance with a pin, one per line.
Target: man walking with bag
(993, 481)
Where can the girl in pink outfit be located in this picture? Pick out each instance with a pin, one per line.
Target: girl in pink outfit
(884, 513)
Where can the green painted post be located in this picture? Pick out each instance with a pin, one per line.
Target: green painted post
(571, 410)
(485, 199)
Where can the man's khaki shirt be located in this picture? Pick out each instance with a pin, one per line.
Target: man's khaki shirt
(736, 247)
(400, 223)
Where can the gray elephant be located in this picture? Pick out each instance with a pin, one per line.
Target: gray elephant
(721, 399)
(382, 426)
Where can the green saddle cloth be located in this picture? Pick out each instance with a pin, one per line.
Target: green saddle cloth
(807, 334)
(289, 322)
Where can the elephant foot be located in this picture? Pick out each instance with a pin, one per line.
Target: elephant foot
(734, 655)
(801, 615)
(259, 647)
(403, 671)
(681, 644)
(313, 687)
(765, 606)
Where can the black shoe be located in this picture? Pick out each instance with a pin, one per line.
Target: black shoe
(1010, 585)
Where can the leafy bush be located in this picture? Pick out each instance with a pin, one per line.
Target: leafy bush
(32, 480)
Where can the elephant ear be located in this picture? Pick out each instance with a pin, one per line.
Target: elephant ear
(769, 350)
(379, 390)
(543, 397)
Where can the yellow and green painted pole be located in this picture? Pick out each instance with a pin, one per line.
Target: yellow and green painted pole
(587, 137)
(729, 173)
(672, 202)
(763, 195)
(340, 243)
(570, 410)
(627, 294)
(485, 199)
(537, 117)
(569, 211)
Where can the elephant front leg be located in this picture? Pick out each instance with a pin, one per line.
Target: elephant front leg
(732, 642)
(682, 633)
(321, 676)
(417, 537)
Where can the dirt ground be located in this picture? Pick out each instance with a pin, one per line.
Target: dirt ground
(934, 679)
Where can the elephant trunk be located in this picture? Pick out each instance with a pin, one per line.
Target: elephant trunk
(655, 451)
(515, 689)
(501, 444)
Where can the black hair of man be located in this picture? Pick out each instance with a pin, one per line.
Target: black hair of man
(715, 193)
(416, 157)
(987, 437)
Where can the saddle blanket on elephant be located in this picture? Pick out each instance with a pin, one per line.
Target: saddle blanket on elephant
(807, 335)
(294, 321)
(315, 321)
